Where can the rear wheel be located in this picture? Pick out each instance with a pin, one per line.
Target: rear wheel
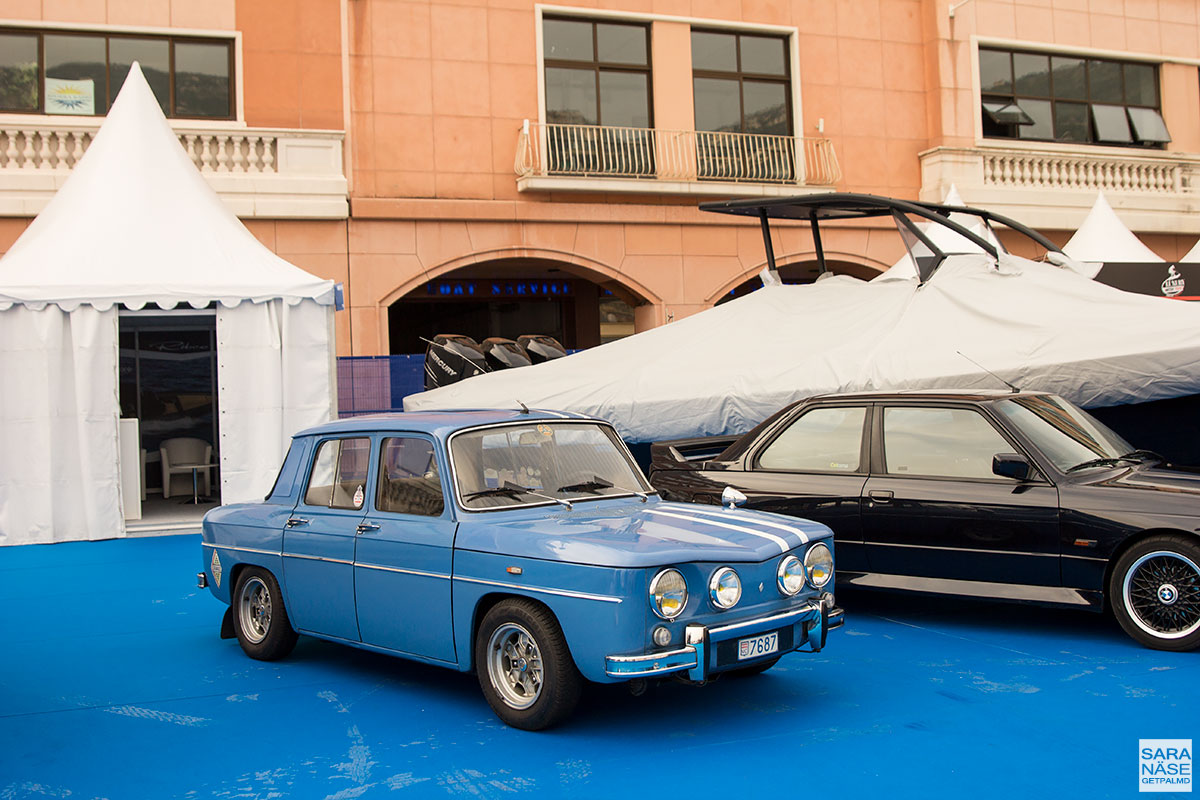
(259, 618)
(524, 667)
(1155, 592)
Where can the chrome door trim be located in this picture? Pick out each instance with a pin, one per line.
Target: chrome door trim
(560, 592)
(402, 571)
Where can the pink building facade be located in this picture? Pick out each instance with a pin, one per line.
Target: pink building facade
(508, 167)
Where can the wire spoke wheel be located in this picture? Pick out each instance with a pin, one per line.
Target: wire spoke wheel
(515, 665)
(1162, 593)
(254, 609)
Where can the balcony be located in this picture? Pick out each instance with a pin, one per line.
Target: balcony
(591, 158)
(1052, 186)
(258, 172)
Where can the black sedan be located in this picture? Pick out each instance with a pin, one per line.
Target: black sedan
(1014, 496)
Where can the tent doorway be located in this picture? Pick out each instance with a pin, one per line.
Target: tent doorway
(168, 373)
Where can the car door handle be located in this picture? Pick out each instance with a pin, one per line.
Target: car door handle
(294, 521)
(363, 527)
(880, 495)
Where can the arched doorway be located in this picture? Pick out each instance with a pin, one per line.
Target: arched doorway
(510, 297)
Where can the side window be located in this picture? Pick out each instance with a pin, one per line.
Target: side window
(822, 440)
(409, 482)
(940, 442)
(339, 474)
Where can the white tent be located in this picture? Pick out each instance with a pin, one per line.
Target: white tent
(1104, 238)
(723, 370)
(136, 224)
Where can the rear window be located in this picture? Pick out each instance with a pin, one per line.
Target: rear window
(822, 440)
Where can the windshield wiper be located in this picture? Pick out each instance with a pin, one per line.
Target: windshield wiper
(1101, 462)
(1143, 455)
(510, 489)
(597, 483)
(593, 485)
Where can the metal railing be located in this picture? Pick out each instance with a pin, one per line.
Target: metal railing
(554, 149)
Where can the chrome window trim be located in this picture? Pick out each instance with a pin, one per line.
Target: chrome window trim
(621, 446)
(418, 572)
(560, 592)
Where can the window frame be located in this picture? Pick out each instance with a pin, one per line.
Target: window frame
(596, 66)
(741, 75)
(1087, 101)
(381, 473)
(231, 43)
(864, 444)
(879, 448)
(337, 465)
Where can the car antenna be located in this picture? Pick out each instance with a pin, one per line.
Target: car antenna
(988, 371)
(524, 408)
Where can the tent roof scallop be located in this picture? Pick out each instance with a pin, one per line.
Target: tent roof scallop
(137, 224)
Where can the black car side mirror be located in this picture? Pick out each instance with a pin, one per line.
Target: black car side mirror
(1011, 465)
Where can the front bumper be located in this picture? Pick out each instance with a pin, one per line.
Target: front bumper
(809, 625)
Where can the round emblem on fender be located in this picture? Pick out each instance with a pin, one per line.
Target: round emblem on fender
(1167, 594)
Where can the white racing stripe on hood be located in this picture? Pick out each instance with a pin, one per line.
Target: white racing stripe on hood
(725, 515)
(783, 545)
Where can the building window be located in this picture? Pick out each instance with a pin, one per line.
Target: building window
(598, 76)
(1065, 98)
(742, 92)
(51, 72)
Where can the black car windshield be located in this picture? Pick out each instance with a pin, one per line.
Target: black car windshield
(1066, 434)
(539, 462)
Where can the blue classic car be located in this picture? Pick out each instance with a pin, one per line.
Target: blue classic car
(525, 545)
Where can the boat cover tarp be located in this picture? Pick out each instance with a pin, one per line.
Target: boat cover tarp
(723, 370)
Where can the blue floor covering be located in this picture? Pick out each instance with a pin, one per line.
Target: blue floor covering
(114, 684)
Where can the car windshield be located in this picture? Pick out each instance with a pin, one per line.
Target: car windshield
(540, 462)
(1066, 434)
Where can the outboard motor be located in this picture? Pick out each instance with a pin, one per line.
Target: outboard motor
(541, 348)
(504, 353)
(450, 358)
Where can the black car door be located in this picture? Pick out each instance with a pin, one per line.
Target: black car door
(814, 466)
(933, 508)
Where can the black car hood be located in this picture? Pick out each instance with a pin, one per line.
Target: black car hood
(1162, 479)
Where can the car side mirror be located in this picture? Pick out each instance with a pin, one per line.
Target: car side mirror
(1011, 465)
(732, 498)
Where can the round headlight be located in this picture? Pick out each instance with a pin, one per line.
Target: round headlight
(668, 594)
(818, 562)
(790, 575)
(725, 588)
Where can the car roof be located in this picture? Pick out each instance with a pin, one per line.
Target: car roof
(927, 394)
(436, 423)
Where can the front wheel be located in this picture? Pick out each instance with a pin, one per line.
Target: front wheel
(1155, 592)
(524, 667)
(259, 618)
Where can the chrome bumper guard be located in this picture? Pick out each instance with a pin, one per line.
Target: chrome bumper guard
(815, 618)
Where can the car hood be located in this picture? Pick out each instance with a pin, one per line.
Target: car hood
(635, 534)
(1160, 479)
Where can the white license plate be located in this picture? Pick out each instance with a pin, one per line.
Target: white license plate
(755, 646)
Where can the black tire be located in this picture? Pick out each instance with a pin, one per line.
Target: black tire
(754, 669)
(515, 638)
(260, 620)
(1155, 592)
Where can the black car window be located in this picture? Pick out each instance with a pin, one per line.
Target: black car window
(1065, 434)
(409, 482)
(940, 442)
(821, 440)
(339, 474)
